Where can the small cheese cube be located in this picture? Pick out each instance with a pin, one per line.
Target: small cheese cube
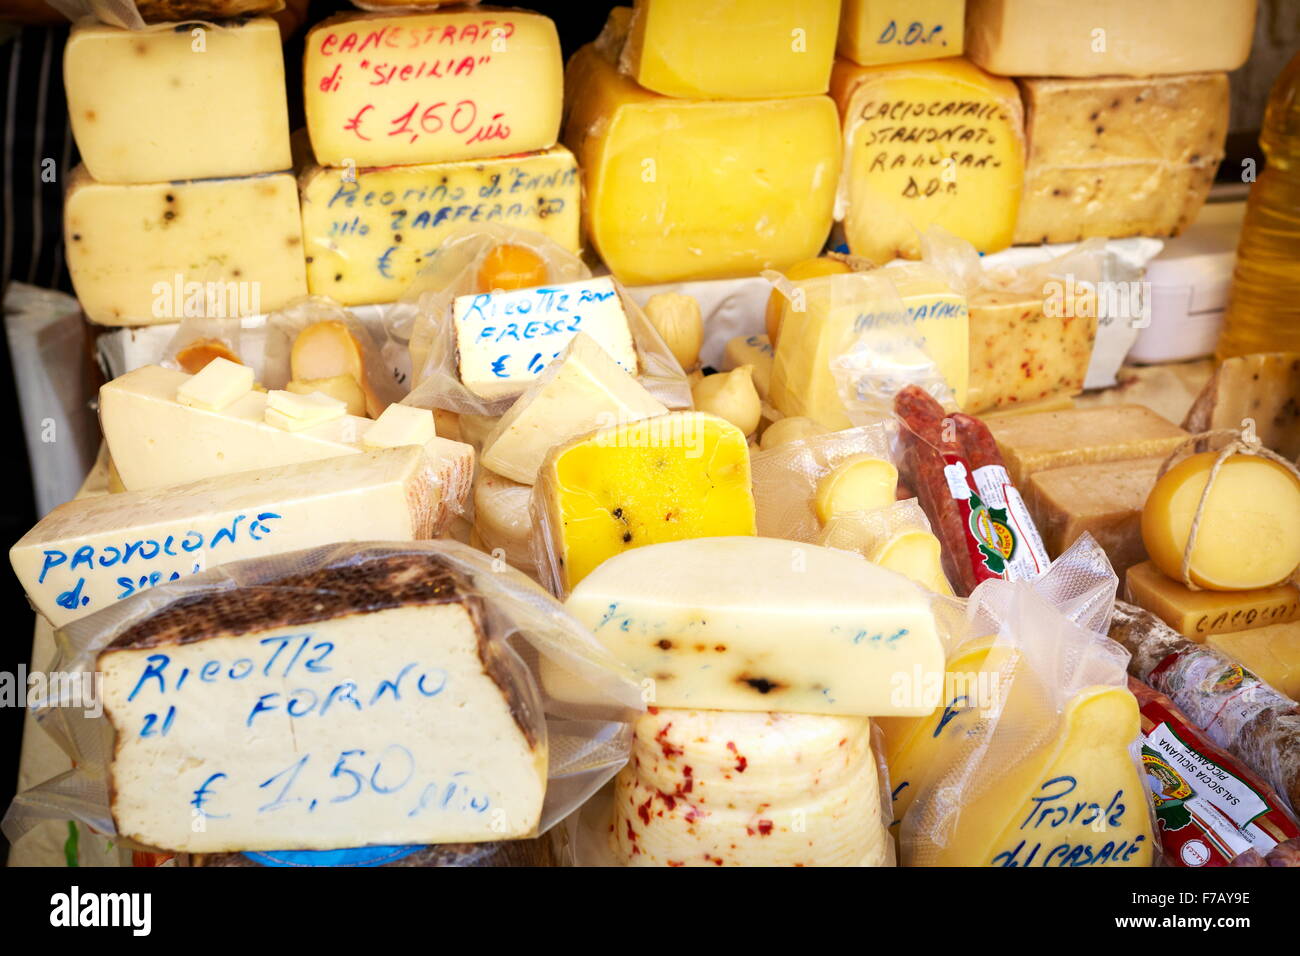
(582, 390)
(1094, 169)
(1101, 37)
(218, 248)
(835, 312)
(709, 788)
(1271, 653)
(698, 189)
(362, 249)
(294, 412)
(195, 102)
(756, 352)
(400, 425)
(1019, 354)
(675, 476)
(72, 563)
(937, 142)
(895, 31)
(218, 384)
(748, 623)
(1197, 614)
(416, 694)
(504, 340)
(384, 90)
(737, 50)
(1103, 499)
(1031, 443)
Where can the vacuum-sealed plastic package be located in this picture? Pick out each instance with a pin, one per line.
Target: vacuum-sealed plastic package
(347, 697)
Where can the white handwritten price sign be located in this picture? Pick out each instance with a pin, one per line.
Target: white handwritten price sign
(505, 339)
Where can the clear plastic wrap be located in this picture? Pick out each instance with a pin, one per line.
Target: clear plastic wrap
(424, 320)
(198, 339)
(864, 531)
(580, 745)
(785, 478)
(1055, 727)
(502, 520)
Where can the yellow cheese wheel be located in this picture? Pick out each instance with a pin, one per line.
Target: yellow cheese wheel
(1249, 535)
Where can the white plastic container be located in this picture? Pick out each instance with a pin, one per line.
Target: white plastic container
(1189, 284)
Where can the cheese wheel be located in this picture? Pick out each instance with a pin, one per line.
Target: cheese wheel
(501, 518)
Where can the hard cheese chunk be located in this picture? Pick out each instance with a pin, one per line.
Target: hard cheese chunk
(938, 142)
(368, 232)
(504, 340)
(1020, 354)
(681, 475)
(907, 312)
(1271, 653)
(765, 624)
(1196, 614)
(87, 554)
(731, 49)
(155, 441)
(385, 90)
(709, 788)
(294, 412)
(756, 352)
(400, 425)
(1094, 167)
(216, 385)
(1031, 443)
(895, 31)
(584, 389)
(1264, 387)
(1075, 801)
(152, 106)
(1103, 499)
(698, 189)
(372, 709)
(151, 254)
(1050, 38)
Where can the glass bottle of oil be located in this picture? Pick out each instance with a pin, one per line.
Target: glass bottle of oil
(1263, 312)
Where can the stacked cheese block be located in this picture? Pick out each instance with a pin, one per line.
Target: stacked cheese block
(707, 143)
(422, 124)
(184, 205)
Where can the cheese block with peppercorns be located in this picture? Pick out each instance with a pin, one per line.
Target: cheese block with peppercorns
(716, 788)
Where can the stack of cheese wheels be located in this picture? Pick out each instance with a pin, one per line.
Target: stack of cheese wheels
(184, 203)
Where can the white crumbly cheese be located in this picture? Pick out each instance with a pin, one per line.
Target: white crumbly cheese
(506, 339)
(216, 385)
(746, 623)
(712, 788)
(581, 391)
(379, 728)
(400, 425)
(88, 554)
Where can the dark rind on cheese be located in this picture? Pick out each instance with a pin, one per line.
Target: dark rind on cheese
(171, 11)
(359, 585)
(540, 851)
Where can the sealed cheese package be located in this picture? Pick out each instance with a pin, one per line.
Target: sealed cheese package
(1038, 764)
(787, 479)
(496, 304)
(313, 343)
(408, 668)
(200, 339)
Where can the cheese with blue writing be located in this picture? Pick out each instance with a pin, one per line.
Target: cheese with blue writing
(584, 389)
(505, 339)
(895, 31)
(907, 312)
(156, 441)
(368, 232)
(156, 253)
(386, 90)
(357, 704)
(747, 623)
(90, 553)
(714, 788)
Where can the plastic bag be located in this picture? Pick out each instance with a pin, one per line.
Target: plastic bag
(199, 338)
(379, 370)
(785, 478)
(864, 531)
(519, 625)
(424, 320)
(1048, 672)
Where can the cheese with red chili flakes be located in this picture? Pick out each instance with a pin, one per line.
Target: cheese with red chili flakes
(724, 788)
(1021, 351)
